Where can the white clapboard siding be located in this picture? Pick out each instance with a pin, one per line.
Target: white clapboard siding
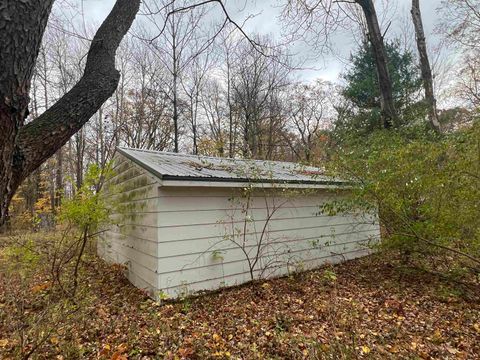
(196, 227)
(208, 278)
(231, 253)
(132, 239)
(214, 245)
(322, 235)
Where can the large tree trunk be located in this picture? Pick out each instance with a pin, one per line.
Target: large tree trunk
(24, 148)
(7, 137)
(425, 66)
(389, 114)
(22, 24)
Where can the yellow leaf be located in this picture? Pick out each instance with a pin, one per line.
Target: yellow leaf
(394, 349)
(365, 349)
(216, 337)
(3, 342)
(105, 350)
(477, 327)
(54, 340)
(230, 336)
(325, 347)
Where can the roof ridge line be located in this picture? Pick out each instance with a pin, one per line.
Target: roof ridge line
(211, 157)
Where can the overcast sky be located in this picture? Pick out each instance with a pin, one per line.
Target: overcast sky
(327, 67)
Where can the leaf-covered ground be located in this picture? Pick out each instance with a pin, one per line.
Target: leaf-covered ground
(358, 310)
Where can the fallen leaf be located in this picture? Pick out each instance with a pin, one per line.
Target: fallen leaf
(40, 287)
(365, 349)
(118, 356)
(122, 348)
(452, 350)
(105, 350)
(185, 352)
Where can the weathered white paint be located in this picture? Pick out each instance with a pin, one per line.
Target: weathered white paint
(178, 240)
(132, 239)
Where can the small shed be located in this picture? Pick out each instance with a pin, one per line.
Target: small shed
(188, 223)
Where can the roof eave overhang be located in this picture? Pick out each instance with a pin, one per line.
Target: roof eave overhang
(172, 181)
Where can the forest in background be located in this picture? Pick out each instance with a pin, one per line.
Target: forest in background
(192, 88)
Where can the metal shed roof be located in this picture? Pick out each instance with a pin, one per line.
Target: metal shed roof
(183, 167)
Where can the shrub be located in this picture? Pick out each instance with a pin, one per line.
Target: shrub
(426, 190)
(82, 217)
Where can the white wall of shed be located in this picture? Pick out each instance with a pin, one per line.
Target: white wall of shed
(132, 238)
(195, 253)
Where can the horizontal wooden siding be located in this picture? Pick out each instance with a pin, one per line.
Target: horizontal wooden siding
(201, 243)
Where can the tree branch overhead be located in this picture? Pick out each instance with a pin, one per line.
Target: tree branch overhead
(30, 145)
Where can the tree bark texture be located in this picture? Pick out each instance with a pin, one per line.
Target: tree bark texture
(425, 68)
(389, 114)
(22, 24)
(23, 148)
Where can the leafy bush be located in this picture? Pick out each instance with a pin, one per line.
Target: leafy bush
(82, 217)
(88, 210)
(426, 190)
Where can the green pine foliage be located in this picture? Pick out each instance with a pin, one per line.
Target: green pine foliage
(362, 94)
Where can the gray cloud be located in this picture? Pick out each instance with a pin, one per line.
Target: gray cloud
(266, 21)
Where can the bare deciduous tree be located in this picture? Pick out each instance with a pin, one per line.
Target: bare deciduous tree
(215, 109)
(310, 111)
(461, 28)
(145, 107)
(468, 87)
(425, 68)
(461, 23)
(176, 40)
(193, 84)
(257, 81)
